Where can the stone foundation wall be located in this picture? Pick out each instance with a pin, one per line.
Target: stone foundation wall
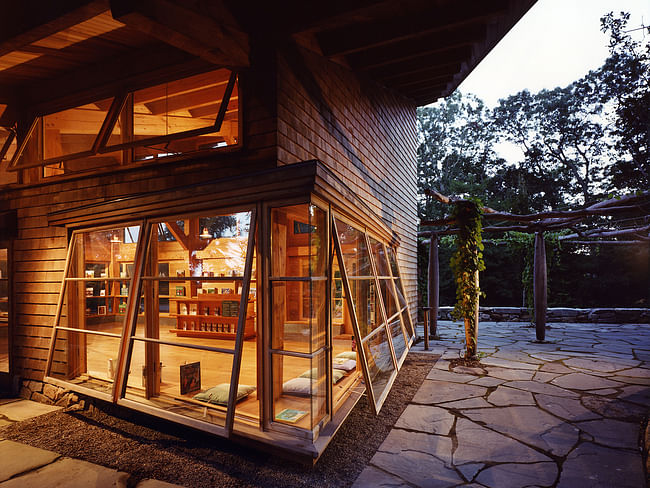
(596, 315)
(51, 395)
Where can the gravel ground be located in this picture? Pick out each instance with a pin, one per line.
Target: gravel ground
(150, 448)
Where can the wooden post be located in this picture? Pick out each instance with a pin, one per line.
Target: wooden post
(471, 329)
(539, 283)
(433, 285)
(425, 316)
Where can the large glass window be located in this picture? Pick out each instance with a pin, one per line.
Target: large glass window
(368, 280)
(91, 319)
(195, 305)
(197, 113)
(163, 317)
(299, 236)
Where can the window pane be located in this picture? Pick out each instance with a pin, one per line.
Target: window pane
(188, 382)
(397, 335)
(408, 324)
(299, 390)
(74, 130)
(299, 315)
(393, 262)
(298, 241)
(379, 256)
(356, 257)
(175, 108)
(386, 287)
(401, 300)
(86, 359)
(103, 254)
(380, 361)
(364, 297)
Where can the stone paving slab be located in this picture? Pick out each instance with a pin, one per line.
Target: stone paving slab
(70, 473)
(518, 475)
(602, 467)
(16, 459)
(473, 440)
(426, 418)
(17, 411)
(441, 391)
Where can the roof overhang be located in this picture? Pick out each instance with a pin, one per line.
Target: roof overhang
(56, 54)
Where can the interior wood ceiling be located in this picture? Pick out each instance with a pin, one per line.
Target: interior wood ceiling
(54, 54)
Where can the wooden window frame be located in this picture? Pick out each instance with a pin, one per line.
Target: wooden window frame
(99, 146)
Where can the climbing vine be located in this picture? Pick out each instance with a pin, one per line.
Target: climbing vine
(466, 262)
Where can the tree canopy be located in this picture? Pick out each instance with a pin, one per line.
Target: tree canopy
(578, 145)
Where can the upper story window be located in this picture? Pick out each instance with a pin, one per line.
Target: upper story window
(194, 114)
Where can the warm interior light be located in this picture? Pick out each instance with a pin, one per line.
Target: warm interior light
(205, 234)
(115, 238)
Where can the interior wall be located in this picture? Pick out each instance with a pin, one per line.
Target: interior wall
(365, 134)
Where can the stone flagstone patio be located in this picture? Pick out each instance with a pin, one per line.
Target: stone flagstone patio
(565, 413)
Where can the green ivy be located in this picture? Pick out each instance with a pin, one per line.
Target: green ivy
(468, 257)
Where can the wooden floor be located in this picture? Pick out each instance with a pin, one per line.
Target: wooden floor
(215, 370)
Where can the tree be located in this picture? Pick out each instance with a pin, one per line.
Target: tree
(456, 148)
(624, 82)
(561, 134)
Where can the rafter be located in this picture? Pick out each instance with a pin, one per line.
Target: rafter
(429, 44)
(26, 21)
(356, 38)
(174, 24)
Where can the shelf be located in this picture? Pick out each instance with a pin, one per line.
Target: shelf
(207, 334)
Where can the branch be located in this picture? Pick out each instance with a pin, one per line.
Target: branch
(608, 233)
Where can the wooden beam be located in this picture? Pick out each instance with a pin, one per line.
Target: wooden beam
(23, 22)
(178, 234)
(431, 43)
(414, 23)
(423, 85)
(425, 72)
(451, 56)
(185, 29)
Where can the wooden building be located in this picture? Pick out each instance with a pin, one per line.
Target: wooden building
(208, 208)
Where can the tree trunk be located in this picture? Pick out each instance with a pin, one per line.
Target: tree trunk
(433, 285)
(540, 286)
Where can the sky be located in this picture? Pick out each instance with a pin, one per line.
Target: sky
(554, 44)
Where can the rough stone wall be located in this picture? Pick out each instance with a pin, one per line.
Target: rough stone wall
(583, 315)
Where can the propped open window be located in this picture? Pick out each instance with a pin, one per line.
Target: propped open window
(197, 319)
(179, 117)
(381, 340)
(194, 114)
(86, 346)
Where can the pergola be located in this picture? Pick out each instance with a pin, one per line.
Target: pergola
(636, 206)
